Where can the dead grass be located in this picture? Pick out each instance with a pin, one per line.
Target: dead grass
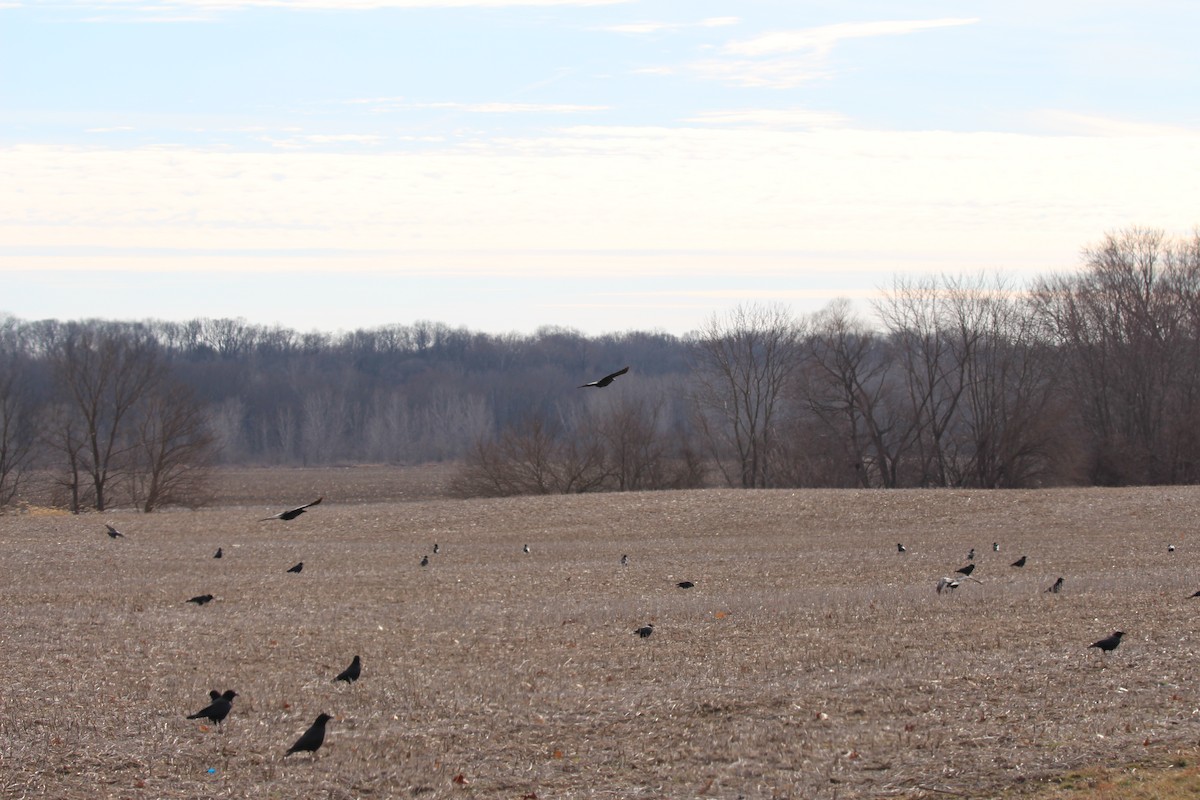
(810, 660)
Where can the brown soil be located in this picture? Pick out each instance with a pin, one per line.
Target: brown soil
(810, 660)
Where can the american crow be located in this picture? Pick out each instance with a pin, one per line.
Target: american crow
(1108, 642)
(1056, 587)
(645, 630)
(436, 548)
(946, 585)
(624, 560)
(218, 709)
(525, 549)
(350, 674)
(971, 555)
(113, 533)
(685, 584)
(901, 548)
(1020, 562)
(967, 570)
(292, 513)
(424, 561)
(218, 554)
(299, 566)
(1197, 594)
(606, 380)
(312, 739)
(201, 599)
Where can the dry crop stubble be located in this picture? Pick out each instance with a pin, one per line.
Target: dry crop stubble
(810, 659)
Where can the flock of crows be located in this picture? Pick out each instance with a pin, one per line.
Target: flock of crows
(221, 703)
(946, 584)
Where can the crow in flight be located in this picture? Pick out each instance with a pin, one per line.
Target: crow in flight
(292, 513)
(201, 599)
(312, 739)
(1020, 562)
(296, 569)
(946, 585)
(967, 570)
(1056, 587)
(350, 674)
(685, 584)
(218, 554)
(218, 709)
(113, 533)
(606, 380)
(1108, 643)
(645, 630)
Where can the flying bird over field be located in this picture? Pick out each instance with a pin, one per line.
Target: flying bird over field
(296, 569)
(201, 599)
(946, 585)
(311, 740)
(1108, 643)
(218, 709)
(606, 380)
(292, 513)
(113, 533)
(967, 570)
(350, 674)
(901, 548)
(645, 630)
(1020, 562)
(218, 554)
(1056, 587)
(685, 584)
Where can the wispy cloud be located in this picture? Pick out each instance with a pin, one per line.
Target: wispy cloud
(786, 59)
(659, 27)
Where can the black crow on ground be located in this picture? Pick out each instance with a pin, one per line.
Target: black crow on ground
(1056, 587)
(525, 549)
(971, 555)
(292, 513)
(1197, 594)
(424, 561)
(645, 630)
(218, 709)
(1020, 562)
(995, 547)
(218, 554)
(311, 740)
(685, 584)
(201, 599)
(296, 569)
(436, 548)
(113, 533)
(606, 380)
(901, 548)
(350, 674)
(624, 560)
(967, 570)
(1108, 643)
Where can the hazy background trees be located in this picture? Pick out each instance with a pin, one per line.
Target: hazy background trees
(1088, 376)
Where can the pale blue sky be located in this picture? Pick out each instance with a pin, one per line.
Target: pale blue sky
(600, 165)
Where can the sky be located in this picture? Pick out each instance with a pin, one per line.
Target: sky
(601, 165)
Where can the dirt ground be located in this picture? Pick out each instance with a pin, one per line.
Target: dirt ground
(809, 660)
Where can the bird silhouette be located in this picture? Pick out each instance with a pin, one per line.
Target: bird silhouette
(1020, 562)
(525, 549)
(685, 584)
(606, 380)
(1170, 548)
(1108, 643)
(218, 709)
(645, 630)
(424, 561)
(296, 569)
(995, 547)
(967, 570)
(946, 585)
(436, 548)
(901, 548)
(292, 513)
(113, 533)
(311, 740)
(971, 555)
(201, 599)
(350, 674)
(218, 554)
(1056, 587)
(1197, 594)
(624, 560)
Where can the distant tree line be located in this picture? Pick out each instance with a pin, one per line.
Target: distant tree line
(1086, 377)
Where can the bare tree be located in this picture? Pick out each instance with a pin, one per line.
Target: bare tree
(17, 433)
(174, 451)
(744, 365)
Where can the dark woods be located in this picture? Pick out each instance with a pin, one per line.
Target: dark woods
(1085, 377)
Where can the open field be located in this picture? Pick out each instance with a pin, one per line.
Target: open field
(810, 660)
